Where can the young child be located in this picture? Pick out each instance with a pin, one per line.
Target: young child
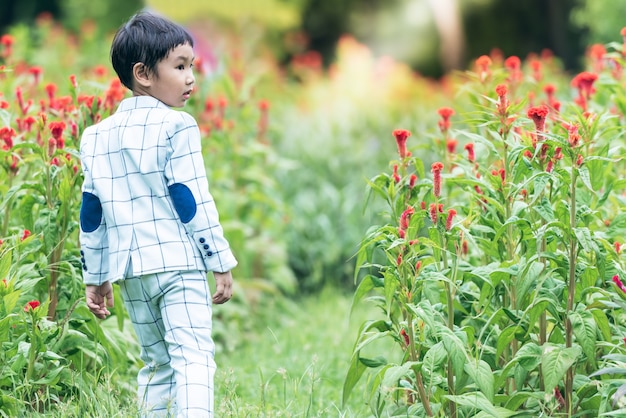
(149, 223)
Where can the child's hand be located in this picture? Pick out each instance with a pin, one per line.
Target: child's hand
(99, 298)
(224, 287)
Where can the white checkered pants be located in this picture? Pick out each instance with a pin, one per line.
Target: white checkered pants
(171, 313)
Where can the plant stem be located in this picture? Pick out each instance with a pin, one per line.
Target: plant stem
(450, 306)
(569, 377)
(418, 375)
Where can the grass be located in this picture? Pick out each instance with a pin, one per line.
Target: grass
(294, 366)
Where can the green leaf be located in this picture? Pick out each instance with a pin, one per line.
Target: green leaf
(356, 370)
(528, 356)
(554, 363)
(482, 375)
(545, 210)
(585, 330)
(373, 363)
(505, 338)
(585, 240)
(603, 323)
(583, 173)
(5, 263)
(478, 401)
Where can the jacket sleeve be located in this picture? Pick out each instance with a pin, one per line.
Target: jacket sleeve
(94, 247)
(185, 175)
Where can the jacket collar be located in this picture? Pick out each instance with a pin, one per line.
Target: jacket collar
(140, 102)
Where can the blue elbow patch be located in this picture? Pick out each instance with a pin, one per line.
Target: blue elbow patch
(183, 200)
(90, 212)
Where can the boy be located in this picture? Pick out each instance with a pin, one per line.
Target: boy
(149, 223)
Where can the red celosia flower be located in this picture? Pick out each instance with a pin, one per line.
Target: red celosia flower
(31, 306)
(401, 136)
(51, 89)
(55, 161)
(501, 90)
(412, 180)
(399, 259)
(57, 128)
(406, 217)
(618, 246)
(436, 169)
(450, 218)
(451, 145)
(445, 113)
(464, 247)
(549, 166)
(538, 115)
(401, 233)
(396, 176)
(7, 42)
(524, 193)
(418, 266)
(471, 157)
(584, 83)
(558, 155)
(73, 81)
(264, 104)
(482, 64)
(432, 209)
(596, 52)
(514, 65)
(405, 337)
(100, 70)
(579, 160)
(25, 234)
(619, 283)
(7, 134)
(36, 72)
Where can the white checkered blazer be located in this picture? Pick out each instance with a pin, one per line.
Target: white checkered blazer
(146, 204)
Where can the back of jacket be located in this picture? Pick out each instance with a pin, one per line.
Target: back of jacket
(146, 203)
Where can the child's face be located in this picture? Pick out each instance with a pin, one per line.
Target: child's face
(173, 82)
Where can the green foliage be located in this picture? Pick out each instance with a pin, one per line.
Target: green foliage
(499, 276)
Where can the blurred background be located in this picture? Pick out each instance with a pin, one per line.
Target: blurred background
(433, 36)
(339, 77)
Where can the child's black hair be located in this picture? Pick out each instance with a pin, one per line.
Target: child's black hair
(145, 38)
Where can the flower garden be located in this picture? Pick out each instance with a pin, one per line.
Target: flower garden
(478, 220)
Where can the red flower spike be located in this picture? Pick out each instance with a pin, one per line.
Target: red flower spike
(450, 218)
(396, 176)
(464, 247)
(406, 217)
(436, 169)
(451, 145)
(418, 266)
(471, 157)
(401, 136)
(618, 246)
(619, 283)
(405, 337)
(399, 260)
(31, 306)
(412, 180)
(26, 234)
(423, 205)
(433, 213)
(538, 115)
(445, 113)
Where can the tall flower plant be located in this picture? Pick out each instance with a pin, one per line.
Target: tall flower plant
(495, 274)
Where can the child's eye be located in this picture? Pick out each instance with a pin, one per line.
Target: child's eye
(180, 67)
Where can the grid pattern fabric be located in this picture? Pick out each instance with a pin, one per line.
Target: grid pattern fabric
(146, 199)
(171, 315)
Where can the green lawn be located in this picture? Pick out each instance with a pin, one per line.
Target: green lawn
(294, 365)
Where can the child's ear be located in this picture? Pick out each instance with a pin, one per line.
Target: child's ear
(141, 75)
